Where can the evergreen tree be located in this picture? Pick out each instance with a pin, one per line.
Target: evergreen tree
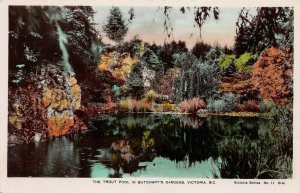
(200, 49)
(272, 26)
(115, 28)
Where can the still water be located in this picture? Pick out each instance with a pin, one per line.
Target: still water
(140, 146)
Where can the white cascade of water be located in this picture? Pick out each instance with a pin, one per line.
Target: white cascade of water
(62, 39)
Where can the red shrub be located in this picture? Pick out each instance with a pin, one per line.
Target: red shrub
(249, 106)
(252, 106)
(135, 105)
(191, 105)
(240, 107)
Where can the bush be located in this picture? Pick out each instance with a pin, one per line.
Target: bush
(249, 106)
(227, 103)
(265, 106)
(123, 106)
(245, 61)
(134, 105)
(151, 95)
(143, 106)
(227, 61)
(167, 107)
(191, 105)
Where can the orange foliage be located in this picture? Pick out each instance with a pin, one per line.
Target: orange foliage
(235, 84)
(272, 74)
(102, 67)
(191, 105)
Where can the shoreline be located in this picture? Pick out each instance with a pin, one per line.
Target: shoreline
(223, 114)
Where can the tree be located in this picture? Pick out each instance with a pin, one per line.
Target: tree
(169, 49)
(272, 76)
(82, 35)
(115, 28)
(272, 26)
(135, 82)
(200, 49)
(197, 79)
(200, 16)
(30, 27)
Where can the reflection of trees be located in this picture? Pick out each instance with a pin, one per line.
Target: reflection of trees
(185, 143)
(122, 159)
(191, 121)
(55, 157)
(241, 143)
(243, 147)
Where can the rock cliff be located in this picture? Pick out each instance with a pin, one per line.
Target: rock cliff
(44, 106)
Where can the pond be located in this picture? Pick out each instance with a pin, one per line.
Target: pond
(147, 145)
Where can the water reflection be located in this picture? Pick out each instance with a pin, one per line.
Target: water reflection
(44, 159)
(139, 145)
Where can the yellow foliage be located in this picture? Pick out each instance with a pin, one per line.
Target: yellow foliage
(15, 117)
(122, 70)
(102, 67)
(123, 106)
(106, 60)
(151, 95)
(167, 107)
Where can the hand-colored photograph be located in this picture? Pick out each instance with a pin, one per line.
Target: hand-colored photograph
(168, 92)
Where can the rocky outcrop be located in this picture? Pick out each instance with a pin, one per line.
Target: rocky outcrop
(44, 105)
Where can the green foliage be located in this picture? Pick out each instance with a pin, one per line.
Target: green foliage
(197, 79)
(271, 26)
(245, 61)
(31, 26)
(266, 106)
(227, 61)
(115, 27)
(214, 56)
(116, 90)
(135, 82)
(168, 50)
(147, 141)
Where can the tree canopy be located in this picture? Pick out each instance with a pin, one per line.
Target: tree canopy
(115, 28)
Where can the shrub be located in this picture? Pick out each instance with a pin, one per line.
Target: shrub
(167, 107)
(227, 61)
(227, 103)
(249, 106)
(245, 61)
(150, 95)
(124, 106)
(134, 105)
(102, 67)
(143, 106)
(191, 105)
(272, 76)
(265, 106)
